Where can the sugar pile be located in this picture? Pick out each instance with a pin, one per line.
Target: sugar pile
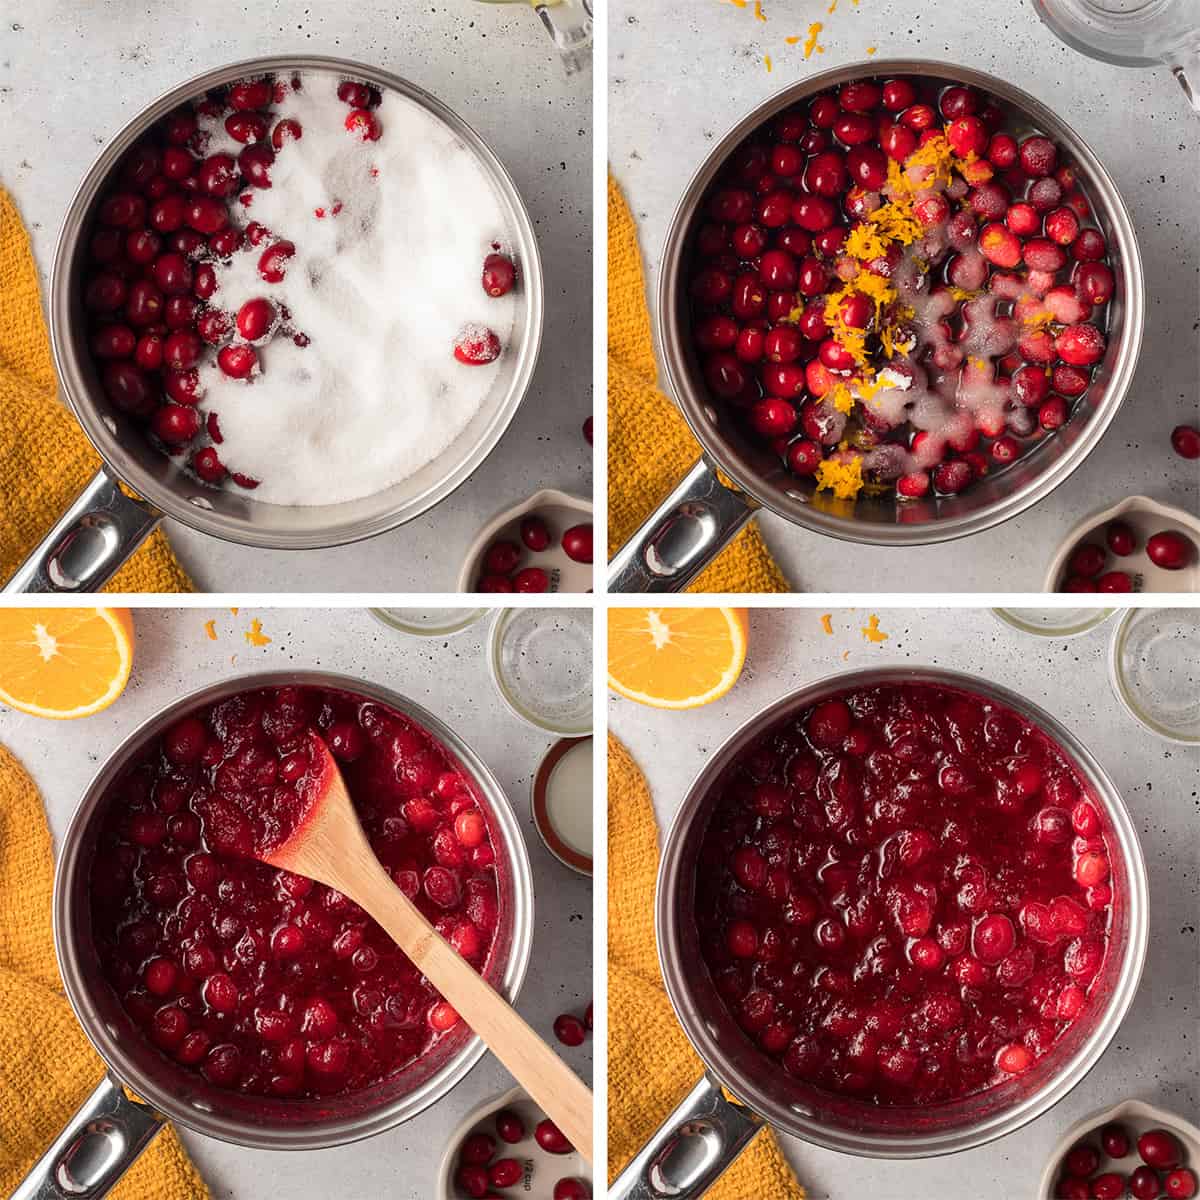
(390, 239)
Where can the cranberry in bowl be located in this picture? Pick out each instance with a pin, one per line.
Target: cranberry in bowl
(264, 1008)
(832, 288)
(931, 892)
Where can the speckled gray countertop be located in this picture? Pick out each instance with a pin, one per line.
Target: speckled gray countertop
(682, 73)
(72, 72)
(1156, 1054)
(449, 676)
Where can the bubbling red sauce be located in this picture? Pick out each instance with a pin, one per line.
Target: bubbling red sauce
(904, 894)
(259, 979)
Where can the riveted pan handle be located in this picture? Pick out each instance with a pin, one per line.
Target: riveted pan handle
(691, 1149)
(682, 536)
(89, 542)
(100, 1143)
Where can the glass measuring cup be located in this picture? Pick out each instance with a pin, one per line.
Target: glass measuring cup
(1133, 33)
(569, 24)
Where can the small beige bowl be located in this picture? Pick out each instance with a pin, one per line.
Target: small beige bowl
(542, 1170)
(560, 511)
(1145, 517)
(1137, 1117)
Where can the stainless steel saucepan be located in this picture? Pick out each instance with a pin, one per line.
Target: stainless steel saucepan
(104, 526)
(107, 1134)
(706, 510)
(707, 1131)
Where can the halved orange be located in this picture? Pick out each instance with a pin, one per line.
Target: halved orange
(64, 662)
(675, 657)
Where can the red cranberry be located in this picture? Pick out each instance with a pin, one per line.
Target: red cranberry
(286, 131)
(510, 1127)
(569, 1030)
(897, 94)
(1185, 441)
(1121, 541)
(363, 125)
(531, 579)
(551, 1139)
(505, 1172)
(1171, 551)
(225, 242)
(218, 176)
(183, 386)
(1114, 1140)
(572, 1189)
(182, 350)
(176, 424)
(1039, 156)
(208, 466)
(272, 263)
(476, 345)
(494, 583)
(958, 101)
(214, 326)
(1081, 1161)
(499, 274)
(113, 341)
(206, 214)
(1109, 1186)
(1144, 1184)
(149, 351)
(535, 534)
(577, 543)
(249, 94)
(246, 127)
(255, 163)
(1089, 246)
(1180, 1184)
(238, 362)
(256, 319)
(1114, 581)
(501, 557)
(1087, 560)
(473, 1180)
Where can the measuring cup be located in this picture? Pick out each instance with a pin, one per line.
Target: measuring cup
(1132, 33)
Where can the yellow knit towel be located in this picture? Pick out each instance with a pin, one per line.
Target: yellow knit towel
(47, 1066)
(45, 458)
(650, 447)
(651, 1065)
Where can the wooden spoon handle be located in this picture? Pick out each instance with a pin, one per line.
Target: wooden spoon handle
(554, 1087)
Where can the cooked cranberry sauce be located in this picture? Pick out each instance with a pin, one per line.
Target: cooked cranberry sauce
(904, 894)
(895, 287)
(259, 979)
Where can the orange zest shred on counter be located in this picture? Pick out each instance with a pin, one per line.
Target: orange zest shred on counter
(255, 636)
(210, 628)
(871, 630)
(827, 623)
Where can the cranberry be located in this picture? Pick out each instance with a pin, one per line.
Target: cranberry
(208, 466)
(1087, 560)
(551, 1139)
(501, 557)
(577, 543)
(206, 214)
(499, 274)
(1109, 1186)
(535, 534)
(1144, 1184)
(1114, 1140)
(175, 424)
(494, 583)
(569, 1030)
(1081, 1161)
(287, 130)
(249, 94)
(1170, 550)
(255, 319)
(272, 263)
(958, 101)
(238, 362)
(510, 1127)
(1180, 1184)
(1121, 541)
(1185, 441)
(476, 345)
(363, 125)
(183, 386)
(572, 1189)
(214, 326)
(473, 1180)
(531, 579)
(1114, 581)
(804, 457)
(182, 350)
(255, 163)
(1089, 246)
(505, 1172)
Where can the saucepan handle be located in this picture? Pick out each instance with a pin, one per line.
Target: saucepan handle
(89, 542)
(99, 1144)
(691, 1149)
(682, 536)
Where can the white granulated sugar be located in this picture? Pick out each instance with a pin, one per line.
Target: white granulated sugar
(381, 289)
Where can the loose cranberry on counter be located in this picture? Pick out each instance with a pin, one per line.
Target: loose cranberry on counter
(1185, 441)
(1180, 1184)
(535, 534)
(551, 1139)
(1170, 550)
(510, 1127)
(1159, 1149)
(577, 543)
(499, 275)
(531, 579)
(569, 1030)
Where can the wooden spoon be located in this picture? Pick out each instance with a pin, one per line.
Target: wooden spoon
(329, 845)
